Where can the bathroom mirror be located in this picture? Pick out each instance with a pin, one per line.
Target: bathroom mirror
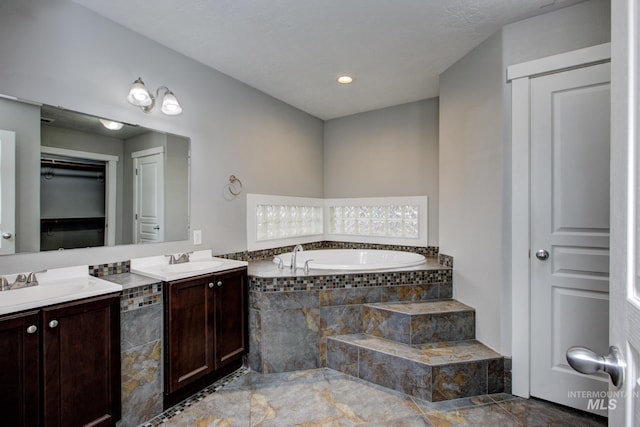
(83, 183)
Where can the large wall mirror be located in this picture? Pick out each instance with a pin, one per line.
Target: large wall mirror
(82, 181)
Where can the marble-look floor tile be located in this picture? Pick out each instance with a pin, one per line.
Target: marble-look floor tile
(538, 413)
(324, 397)
(477, 416)
(229, 408)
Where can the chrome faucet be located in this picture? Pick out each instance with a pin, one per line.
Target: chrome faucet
(180, 259)
(23, 280)
(296, 249)
(20, 282)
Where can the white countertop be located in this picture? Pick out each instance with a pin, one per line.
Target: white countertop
(201, 262)
(55, 286)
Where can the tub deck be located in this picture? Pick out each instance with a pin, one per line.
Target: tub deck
(269, 269)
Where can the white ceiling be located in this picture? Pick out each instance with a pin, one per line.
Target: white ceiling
(293, 50)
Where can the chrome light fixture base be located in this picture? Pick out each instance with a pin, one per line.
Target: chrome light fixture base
(140, 96)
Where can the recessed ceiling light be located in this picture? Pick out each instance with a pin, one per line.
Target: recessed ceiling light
(345, 79)
(111, 125)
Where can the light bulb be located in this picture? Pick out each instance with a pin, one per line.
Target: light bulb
(170, 105)
(139, 95)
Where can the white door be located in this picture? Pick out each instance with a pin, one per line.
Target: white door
(7, 192)
(149, 197)
(624, 407)
(570, 134)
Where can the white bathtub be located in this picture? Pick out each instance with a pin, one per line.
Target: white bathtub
(353, 259)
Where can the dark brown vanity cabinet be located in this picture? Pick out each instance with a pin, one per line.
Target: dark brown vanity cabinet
(206, 331)
(60, 365)
(19, 369)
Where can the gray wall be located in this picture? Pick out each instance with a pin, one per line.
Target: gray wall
(471, 182)
(388, 152)
(475, 155)
(176, 200)
(59, 53)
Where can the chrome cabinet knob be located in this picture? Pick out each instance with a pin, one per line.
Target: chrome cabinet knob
(542, 255)
(53, 324)
(32, 329)
(6, 235)
(219, 283)
(211, 285)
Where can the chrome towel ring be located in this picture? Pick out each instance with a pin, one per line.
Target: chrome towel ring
(235, 185)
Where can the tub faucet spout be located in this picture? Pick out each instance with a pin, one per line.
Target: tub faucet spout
(298, 248)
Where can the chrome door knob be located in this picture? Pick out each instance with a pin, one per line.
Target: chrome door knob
(542, 255)
(588, 362)
(6, 235)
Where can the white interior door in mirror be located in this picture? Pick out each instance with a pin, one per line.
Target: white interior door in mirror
(149, 195)
(7, 192)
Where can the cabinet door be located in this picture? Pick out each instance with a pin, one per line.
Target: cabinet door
(231, 341)
(19, 370)
(189, 317)
(81, 352)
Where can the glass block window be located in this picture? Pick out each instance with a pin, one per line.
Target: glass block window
(275, 221)
(375, 220)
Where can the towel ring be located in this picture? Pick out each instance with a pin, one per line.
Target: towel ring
(235, 183)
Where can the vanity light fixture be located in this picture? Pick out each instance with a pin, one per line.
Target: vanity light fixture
(111, 125)
(344, 79)
(140, 96)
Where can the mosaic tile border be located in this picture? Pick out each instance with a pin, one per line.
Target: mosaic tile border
(108, 269)
(445, 260)
(164, 417)
(140, 296)
(428, 251)
(361, 280)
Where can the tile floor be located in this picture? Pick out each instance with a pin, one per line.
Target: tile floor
(324, 397)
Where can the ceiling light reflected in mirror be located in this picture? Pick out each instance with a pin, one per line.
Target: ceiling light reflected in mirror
(111, 125)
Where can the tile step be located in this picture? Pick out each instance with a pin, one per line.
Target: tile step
(432, 354)
(422, 307)
(432, 372)
(420, 322)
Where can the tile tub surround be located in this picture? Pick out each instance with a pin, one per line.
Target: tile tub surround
(291, 316)
(141, 312)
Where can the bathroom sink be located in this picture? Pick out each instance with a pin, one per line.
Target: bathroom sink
(201, 263)
(192, 266)
(56, 286)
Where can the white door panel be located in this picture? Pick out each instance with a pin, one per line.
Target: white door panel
(149, 198)
(624, 320)
(7, 192)
(570, 220)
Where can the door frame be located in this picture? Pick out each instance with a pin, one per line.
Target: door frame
(8, 190)
(519, 75)
(110, 184)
